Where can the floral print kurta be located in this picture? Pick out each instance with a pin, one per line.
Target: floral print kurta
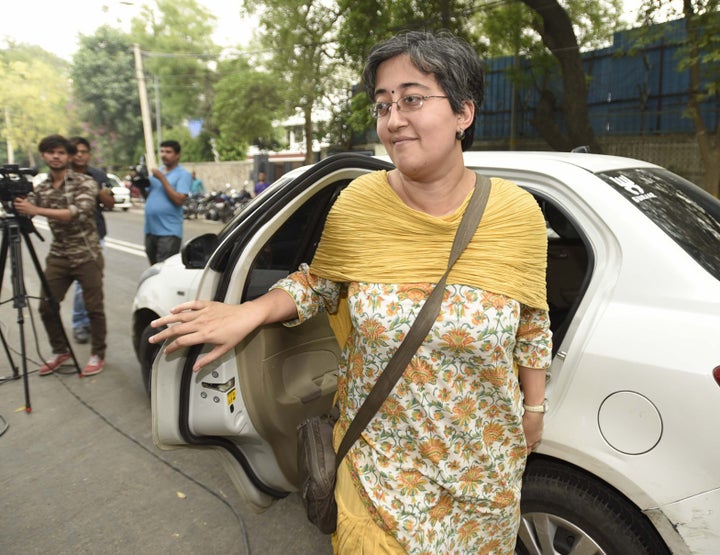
(440, 465)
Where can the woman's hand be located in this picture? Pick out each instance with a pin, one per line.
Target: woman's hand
(222, 325)
(197, 322)
(533, 427)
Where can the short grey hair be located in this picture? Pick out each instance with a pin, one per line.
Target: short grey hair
(451, 60)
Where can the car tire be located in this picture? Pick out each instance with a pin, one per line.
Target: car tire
(147, 353)
(565, 510)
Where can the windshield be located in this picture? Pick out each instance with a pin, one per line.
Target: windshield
(689, 215)
(254, 203)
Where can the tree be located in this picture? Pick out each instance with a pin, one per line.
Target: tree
(106, 94)
(302, 38)
(367, 22)
(247, 103)
(556, 27)
(700, 57)
(504, 28)
(177, 49)
(34, 97)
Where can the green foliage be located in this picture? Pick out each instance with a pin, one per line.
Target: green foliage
(350, 120)
(194, 149)
(34, 98)
(247, 103)
(699, 57)
(302, 37)
(229, 150)
(367, 22)
(106, 93)
(175, 38)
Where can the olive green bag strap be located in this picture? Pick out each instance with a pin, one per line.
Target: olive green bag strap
(421, 327)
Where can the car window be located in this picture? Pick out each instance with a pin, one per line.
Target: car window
(569, 266)
(254, 204)
(682, 210)
(292, 244)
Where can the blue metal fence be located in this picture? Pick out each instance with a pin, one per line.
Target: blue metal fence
(630, 93)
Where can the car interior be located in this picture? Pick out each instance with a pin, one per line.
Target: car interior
(568, 269)
(298, 371)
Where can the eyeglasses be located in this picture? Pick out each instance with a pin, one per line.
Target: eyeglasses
(409, 103)
(78, 151)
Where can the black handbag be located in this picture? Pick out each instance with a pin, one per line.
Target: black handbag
(317, 460)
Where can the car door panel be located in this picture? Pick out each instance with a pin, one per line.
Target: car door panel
(297, 376)
(249, 402)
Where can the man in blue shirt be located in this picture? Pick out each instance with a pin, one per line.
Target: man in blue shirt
(197, 186)
(168, 189)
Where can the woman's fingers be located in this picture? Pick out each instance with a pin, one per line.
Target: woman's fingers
(201, 322)
(214, 354)
(181, 313)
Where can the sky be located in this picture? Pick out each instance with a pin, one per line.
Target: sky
(55, 25)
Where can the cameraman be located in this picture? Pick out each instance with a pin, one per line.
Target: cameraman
(168, 189)
(68, 199)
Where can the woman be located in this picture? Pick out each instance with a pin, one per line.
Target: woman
(438, 470)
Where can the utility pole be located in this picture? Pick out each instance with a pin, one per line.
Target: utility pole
(157, 112)
(150, 159)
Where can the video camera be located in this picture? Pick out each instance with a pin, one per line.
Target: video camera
(139, 174)
(13, 182)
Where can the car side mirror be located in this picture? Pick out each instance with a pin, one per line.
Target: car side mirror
(198, 250)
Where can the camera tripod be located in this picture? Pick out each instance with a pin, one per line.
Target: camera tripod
(13, 230)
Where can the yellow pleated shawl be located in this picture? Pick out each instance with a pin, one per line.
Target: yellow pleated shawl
(372, 236)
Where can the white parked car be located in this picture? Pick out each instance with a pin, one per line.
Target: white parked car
(120, 192)
(629, 459)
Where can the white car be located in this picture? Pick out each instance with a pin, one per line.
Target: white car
(629, 459)
(120, 192)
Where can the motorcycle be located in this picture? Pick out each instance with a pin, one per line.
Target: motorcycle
(191, 206)
(239, 200)
(218, 207)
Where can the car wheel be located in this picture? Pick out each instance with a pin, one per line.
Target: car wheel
(565, 510)
(125, 208)
(147, 353)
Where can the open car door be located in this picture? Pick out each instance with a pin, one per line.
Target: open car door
(249, 403)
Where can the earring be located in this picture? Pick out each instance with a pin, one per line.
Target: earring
(460, 135)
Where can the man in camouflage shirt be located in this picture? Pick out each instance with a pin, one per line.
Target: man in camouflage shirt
(67, 200)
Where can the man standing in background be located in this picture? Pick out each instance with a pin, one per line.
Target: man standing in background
(169, 187)
(105, 201)
(261, 184)
(197, 185)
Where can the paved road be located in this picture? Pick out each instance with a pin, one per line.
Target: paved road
(80, 474)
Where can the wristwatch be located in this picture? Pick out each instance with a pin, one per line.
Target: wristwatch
(537, 408)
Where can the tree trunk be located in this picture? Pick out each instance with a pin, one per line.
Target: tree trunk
(544, 121)
(309, 154)
(708, 142)
(558, 36)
